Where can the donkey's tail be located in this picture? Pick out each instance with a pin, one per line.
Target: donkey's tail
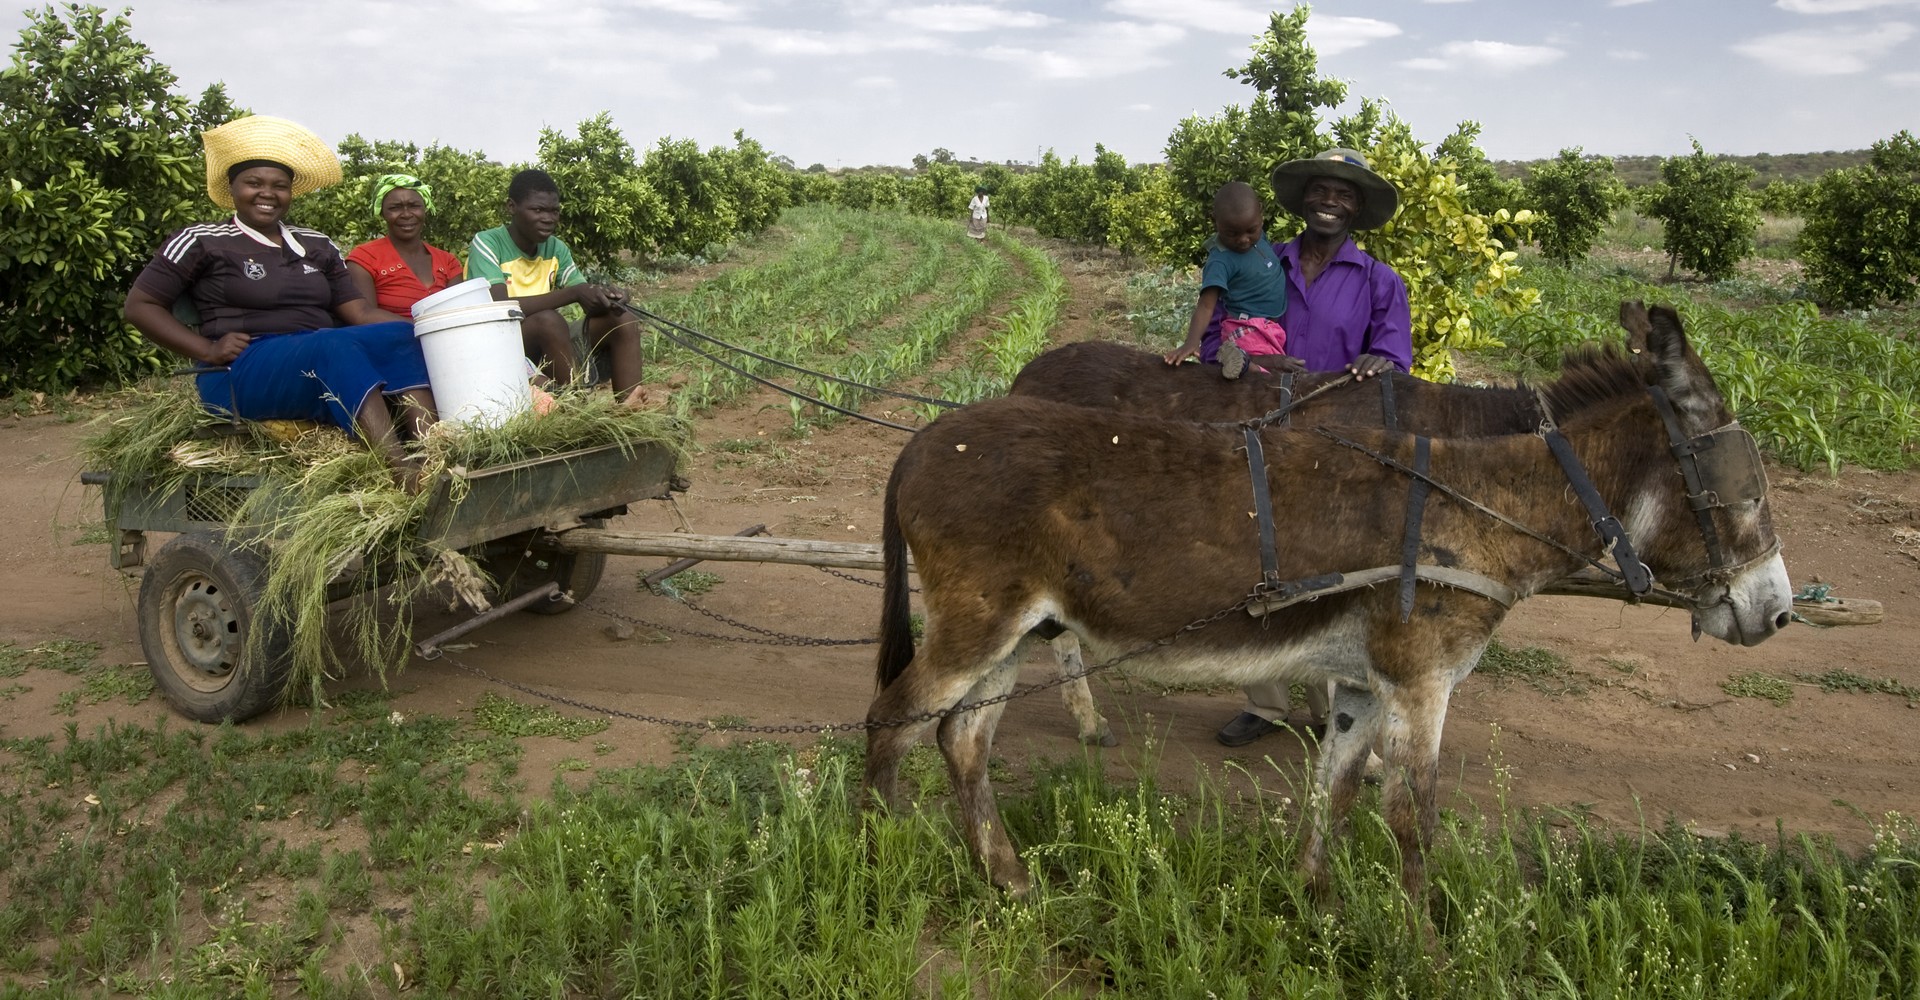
(896, 610)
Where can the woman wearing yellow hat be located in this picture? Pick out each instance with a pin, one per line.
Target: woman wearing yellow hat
(283, 329)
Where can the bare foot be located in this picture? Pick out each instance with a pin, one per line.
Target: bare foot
(637, 398)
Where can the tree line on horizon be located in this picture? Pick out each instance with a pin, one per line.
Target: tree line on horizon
(100, 158)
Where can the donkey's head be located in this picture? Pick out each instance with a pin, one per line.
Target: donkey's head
(1706, 529)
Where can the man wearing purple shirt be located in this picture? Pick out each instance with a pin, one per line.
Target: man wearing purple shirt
(1345, 310)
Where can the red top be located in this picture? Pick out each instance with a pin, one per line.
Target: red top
(395, 287)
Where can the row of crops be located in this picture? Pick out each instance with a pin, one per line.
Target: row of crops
(871, 297)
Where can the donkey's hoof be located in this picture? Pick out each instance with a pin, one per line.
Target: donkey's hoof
(1103, 738)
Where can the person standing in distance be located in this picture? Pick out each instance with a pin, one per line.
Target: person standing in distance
(1345, 312)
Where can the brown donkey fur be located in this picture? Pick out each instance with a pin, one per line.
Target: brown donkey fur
(1023, 514)
(1103, 374)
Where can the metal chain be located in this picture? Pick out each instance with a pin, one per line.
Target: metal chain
(773, 638)
(861, 580)
(818, 728)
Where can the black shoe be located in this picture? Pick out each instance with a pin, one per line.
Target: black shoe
(1233, 364)
(1245, 728)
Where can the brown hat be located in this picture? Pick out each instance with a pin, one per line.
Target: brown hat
(1379, 198)
(276, 140)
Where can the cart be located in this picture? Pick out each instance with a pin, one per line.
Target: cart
(201, 588)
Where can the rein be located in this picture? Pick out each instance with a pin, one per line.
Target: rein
(1731, 474)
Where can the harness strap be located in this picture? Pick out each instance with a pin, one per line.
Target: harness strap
(1683, 451)
(1417, 490)
(1633, 572)
(1388, 418)
(1286, 399)
(1262, 508)
(1311, 588)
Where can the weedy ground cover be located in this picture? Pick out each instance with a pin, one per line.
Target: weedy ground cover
(194, 862)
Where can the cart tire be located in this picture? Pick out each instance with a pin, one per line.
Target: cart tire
(198, 601)
(577, 573)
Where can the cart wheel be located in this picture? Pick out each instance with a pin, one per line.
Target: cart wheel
(197, 603)
(522, 568)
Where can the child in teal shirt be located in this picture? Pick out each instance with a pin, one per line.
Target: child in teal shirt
(1243, 289)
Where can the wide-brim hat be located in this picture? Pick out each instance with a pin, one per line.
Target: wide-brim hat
(264, 137)
(1379, 198)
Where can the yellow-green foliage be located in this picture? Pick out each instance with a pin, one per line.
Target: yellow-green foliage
(1446, 252)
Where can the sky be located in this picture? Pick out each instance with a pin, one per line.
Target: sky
(847, 83)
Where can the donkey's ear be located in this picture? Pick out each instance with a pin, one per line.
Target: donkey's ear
(1680, 370)
(1633, 317)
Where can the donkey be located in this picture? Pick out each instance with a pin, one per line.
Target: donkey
(1103, 374)
(1134, 533)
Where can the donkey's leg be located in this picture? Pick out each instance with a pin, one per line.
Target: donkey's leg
(1411, 724)
(1353, 729)
(939, 676)
(966, 740)
(1079, 698)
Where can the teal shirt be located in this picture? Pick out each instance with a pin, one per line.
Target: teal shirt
(1251, 283)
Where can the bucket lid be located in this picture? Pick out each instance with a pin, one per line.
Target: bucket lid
(487, 312)
(465, 288)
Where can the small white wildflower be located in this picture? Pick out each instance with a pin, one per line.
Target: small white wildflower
(396, 719)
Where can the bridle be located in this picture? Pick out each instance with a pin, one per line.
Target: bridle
(1721, 468)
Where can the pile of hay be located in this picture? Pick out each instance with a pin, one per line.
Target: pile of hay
(327, 505)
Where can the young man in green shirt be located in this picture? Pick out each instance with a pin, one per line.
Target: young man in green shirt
(526, 262)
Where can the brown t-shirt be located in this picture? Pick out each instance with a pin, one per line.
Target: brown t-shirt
(242, 283)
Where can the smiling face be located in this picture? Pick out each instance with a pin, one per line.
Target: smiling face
(404, 212)
(261, 195)
(1331, 206)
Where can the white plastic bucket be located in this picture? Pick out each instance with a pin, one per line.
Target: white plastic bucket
(476, 362)
(472, 292)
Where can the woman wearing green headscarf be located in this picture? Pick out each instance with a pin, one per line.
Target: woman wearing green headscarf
(400, 269)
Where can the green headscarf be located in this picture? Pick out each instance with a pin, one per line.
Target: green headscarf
(394, 182)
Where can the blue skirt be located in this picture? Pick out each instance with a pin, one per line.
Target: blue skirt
(320, 375)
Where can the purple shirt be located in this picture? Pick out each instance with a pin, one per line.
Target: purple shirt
(1356, 306)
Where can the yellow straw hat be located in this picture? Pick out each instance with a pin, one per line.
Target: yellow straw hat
(264, 137)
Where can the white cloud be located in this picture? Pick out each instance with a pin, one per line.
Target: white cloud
(1626, 3)
(1139, 107)
(1628, 55)
(1836, 6)
(1333, 34)
(706, 10)
(1905, 79)
(1227, 17)
(1491, 57)
(955, 17)
(789, 42)
(1832, 52)
(876, 82)
(744, 106)
(1101, 50)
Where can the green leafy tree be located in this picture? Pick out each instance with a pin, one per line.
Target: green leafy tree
(1784, 197)
(756, 182)
(99, 160)
(940, 190)
(1447, 250)
(469, 193)
(1575, 196)
(1709, 212)
(870, 189)
(608, 205)
(1861, 243)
